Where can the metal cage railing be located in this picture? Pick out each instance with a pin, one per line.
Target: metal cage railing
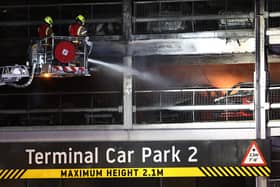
(63, 108)
(154, 17)
(193, 105)
(150, 107)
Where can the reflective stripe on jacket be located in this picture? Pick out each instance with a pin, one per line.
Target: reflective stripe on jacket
(44, 30)
(76, 29)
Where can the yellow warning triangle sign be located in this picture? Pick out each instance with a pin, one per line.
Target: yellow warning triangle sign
(253, 156)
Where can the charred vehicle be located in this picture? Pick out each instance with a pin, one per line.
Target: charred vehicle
(240, 94)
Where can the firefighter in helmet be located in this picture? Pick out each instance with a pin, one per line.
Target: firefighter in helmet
(78, 28)
(45, 29)
(78, 31)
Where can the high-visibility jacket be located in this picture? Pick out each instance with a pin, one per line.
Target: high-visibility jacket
(76, 29)
(44, 30)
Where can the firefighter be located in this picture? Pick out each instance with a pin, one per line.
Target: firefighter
(78, 31)
(78, 28)
(45, 29)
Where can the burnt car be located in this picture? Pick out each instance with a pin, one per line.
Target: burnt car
(240, 94)
(175, 105)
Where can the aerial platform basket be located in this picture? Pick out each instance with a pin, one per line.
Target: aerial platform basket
(60, 56)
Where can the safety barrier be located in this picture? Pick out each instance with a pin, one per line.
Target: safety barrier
(149, 107)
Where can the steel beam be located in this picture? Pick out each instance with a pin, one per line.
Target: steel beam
(274, 14)
(260, 72)
(65, 21)
(231, 34)
(194, 18)
(192, 46)
(260, 79)
(127, 94)
(147, 132)
(167, 1)
(57, 5)
(127, 15)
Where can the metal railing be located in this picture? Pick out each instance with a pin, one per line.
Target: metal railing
(152, 17)
(193, 105)
(274, 99)
(148, 17)
(29, 16)
(63, 108)
(150, 107)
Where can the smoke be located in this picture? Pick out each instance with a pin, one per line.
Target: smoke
(151, 78)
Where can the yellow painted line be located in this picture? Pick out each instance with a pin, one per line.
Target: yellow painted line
(13, 175)
(112, 173)
(10, 172)
(223, 171)
(257, 170)
(240, 171)
(211, 171)
(226, 168)
(264, 171)
(205, 171)
(217, 171)
(220, 171)
(183, 172)
(267, 169)
(3, 174)
(252, 171)
(246, 171)
(19, 173)
(233, 169)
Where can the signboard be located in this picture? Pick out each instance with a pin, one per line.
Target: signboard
(254, 156)
(134, 159)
